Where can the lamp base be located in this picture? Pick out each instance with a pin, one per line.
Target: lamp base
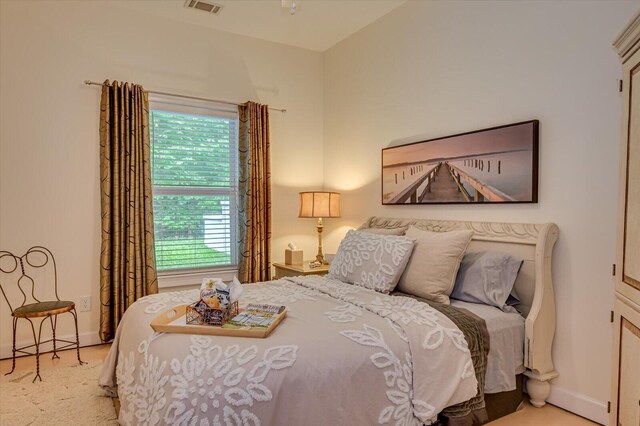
(320, 256)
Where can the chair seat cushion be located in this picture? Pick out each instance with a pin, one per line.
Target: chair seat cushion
(42, 309)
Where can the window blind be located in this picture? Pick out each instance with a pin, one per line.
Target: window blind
(194, 173)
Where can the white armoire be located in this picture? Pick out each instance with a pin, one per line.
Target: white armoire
(625, 392)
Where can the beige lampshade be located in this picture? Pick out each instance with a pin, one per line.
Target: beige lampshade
(319, 204)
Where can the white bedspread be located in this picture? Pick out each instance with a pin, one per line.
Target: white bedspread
(343, 355)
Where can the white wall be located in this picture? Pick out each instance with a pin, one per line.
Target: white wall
(427, 69)
(432, 69)
(49, 145)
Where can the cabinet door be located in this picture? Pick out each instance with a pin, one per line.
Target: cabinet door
(625, 398)
(627, 357)
(628, 280)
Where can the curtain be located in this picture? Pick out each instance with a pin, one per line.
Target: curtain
(254, 204)
(127, 263)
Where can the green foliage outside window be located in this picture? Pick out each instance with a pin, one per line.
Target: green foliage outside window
(193, 183)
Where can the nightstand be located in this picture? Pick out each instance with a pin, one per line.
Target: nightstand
(283, 270)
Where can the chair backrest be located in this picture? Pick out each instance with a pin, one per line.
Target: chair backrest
(23, 267)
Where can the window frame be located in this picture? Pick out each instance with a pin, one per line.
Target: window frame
(190, 276)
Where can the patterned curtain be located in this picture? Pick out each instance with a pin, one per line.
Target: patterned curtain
(254, 205)
(127, 263)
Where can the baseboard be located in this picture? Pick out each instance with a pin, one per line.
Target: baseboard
(89, 338)
(579, 404)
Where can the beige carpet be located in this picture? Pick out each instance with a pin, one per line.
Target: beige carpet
(67, 395)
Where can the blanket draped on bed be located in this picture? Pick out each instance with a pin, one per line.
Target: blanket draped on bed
(343, 355)
(477, 337)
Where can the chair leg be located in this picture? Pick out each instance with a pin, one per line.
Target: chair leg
(13, 358)
(54, 321)
(37, 343)
(75, 320)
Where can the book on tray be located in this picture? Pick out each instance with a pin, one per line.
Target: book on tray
(255, 316)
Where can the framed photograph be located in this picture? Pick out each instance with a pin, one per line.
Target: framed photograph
(496, 165)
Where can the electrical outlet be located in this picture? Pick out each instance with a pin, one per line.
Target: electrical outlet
(85, 304)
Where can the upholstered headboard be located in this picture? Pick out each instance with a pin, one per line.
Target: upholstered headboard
(534, 243)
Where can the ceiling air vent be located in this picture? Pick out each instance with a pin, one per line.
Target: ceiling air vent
(204, 6)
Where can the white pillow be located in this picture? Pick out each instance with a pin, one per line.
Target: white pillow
(370, 260)
(431, 271)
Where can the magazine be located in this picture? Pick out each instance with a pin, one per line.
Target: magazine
(255, 315)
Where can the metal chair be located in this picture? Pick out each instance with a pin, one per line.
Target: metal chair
(36, 308)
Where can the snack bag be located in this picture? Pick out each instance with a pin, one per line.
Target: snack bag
(213, 302)
(223, 296)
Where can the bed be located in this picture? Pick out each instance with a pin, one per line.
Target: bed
(344, 354)
(534, 243)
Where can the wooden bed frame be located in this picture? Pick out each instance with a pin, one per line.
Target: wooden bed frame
(534, 243)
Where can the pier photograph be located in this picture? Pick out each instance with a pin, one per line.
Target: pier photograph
(496, 165)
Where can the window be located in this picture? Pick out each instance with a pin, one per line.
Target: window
(194, 159)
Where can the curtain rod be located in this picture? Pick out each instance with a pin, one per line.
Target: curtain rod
(93, 83)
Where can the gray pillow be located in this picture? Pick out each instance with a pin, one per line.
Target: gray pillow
(370, 260)
(487, 277)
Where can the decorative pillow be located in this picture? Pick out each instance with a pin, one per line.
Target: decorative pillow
(431, 271)
(385, 231)
(487, 277)
(370, 260)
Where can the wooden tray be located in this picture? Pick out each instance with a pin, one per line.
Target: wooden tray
(163, 324)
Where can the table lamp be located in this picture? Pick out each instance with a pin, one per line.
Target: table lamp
(319, 204)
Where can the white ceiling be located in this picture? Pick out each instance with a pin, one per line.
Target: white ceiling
(316, 25)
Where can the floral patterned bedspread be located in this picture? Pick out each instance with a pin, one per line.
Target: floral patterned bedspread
(343, 355)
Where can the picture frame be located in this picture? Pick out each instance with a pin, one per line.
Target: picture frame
(493, 165)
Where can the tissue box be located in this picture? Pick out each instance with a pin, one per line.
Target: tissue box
(292, 257)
